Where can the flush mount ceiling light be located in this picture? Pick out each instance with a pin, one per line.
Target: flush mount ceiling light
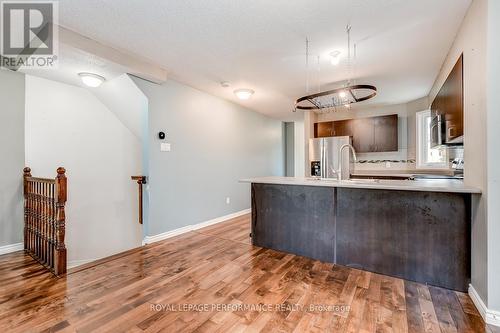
(335, 58)
(91, 80)
(243, 94)
(340, 98)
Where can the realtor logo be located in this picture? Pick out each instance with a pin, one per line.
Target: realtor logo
(28, 36)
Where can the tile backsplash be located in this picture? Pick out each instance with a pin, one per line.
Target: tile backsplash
(388, 165)
(397, 161)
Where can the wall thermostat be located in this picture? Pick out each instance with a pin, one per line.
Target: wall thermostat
(161, 135)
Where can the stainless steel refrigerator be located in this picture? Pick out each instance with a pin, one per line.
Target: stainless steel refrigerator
(324, 157)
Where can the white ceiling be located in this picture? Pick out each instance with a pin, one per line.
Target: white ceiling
(259, 44)
(73, 61)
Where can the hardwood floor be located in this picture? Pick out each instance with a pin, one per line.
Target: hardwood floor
(234, 286)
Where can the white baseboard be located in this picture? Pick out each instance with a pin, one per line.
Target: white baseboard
(165, 235)
(490, 317)
(179, 231)
(11, 248)
(221, 219)
(20, 246)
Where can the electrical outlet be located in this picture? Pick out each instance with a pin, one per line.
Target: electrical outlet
(228, 200)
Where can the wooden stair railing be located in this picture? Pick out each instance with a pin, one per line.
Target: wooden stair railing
(45, 219)
(141, 180)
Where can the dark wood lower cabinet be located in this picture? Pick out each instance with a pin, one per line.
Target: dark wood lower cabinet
(418, 236)
(279, 220)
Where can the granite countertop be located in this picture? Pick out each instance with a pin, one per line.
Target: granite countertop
(430, 185)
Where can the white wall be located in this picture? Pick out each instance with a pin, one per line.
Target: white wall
(68, 126)
(214, 144)
(122, 97)
(130, 106)
(12, 157)
(471, 41)
(412, 108)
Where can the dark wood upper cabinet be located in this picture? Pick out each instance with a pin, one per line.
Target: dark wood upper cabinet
(386, 133)
(363, 135)
(324, 129)
(375, 134)
(449, 103)
(342, 128)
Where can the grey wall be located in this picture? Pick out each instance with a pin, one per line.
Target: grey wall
(214, 144)
(289, 149)
(493, 153)
(471, 40)
(12, 156)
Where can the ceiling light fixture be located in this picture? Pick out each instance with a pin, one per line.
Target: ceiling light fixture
(335, 58)
(91, 80)
(243, 94)
(336, 99)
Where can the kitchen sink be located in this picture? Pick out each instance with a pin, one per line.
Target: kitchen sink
(322, 179)
(381, 177)
(354, 180)
(379, 181)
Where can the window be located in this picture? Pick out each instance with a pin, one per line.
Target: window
(428, 157)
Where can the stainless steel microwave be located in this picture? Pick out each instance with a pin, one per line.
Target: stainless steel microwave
(443, 132)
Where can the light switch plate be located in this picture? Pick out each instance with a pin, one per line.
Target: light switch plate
(165, 146)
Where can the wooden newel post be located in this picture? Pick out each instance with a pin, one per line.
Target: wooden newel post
(26, 175)
(140, 180)
(61, 190)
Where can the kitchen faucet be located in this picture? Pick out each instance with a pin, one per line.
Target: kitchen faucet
(341, 160)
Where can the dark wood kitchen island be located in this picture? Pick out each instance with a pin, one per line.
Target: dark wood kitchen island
(415, 230)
